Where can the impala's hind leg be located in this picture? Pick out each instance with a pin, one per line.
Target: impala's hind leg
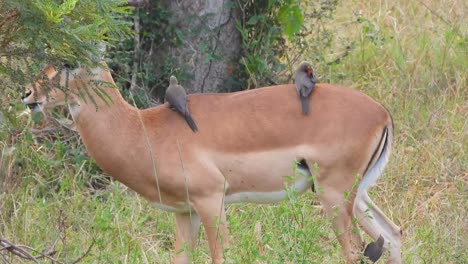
(187, 226)
(339, 206)
(342, 220)
(375, 223)
(213, 216)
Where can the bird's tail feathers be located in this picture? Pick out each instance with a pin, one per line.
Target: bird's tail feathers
(191, 122)
(305, 105)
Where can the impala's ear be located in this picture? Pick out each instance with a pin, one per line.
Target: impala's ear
(50, 71)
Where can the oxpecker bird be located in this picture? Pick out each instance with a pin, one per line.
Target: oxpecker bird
(177, 99)
(374, 250)
(305, 82)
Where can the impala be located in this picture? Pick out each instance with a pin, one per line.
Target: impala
(247, 143)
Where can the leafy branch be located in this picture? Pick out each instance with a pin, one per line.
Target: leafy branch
(34, 33)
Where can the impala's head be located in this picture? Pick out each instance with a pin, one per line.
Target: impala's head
(44, 93)
(48, 91)
(71, 87)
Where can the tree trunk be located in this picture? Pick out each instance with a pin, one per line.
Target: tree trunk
(211, 46)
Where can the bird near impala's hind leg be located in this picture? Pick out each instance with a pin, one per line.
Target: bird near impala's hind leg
(376, 224)
(187, 226)
(213, 217)
(374, 250)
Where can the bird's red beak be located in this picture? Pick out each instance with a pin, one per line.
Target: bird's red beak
(309, 71)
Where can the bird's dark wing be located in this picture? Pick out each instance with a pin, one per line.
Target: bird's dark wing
(307, 86)
(177, 99)
(374, 249)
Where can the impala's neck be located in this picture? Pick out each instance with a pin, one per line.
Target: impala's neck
(111, 132)
(100, 110)
(97, 97)
(112, 113)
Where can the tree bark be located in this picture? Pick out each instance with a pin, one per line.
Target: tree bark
(137, 3)
(212, 45)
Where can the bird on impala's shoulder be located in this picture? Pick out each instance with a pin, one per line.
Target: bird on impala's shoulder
(305, 81)
(177, 99)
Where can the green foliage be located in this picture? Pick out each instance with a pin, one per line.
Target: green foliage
(157, 29)
(55, 12)
(278, 34)
(290, 18)
(36, 32)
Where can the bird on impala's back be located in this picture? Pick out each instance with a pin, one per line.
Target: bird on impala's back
(177, 99)
(305, 81)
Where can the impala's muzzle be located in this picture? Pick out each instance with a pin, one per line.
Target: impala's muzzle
(33, 106)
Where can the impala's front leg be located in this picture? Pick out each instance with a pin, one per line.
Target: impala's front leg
(213, 216)
(187, 225)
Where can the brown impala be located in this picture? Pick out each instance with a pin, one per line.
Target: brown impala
(247, 143)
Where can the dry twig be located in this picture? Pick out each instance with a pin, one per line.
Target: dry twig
(25, 252)
(8, 16)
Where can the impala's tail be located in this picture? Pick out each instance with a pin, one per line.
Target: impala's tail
(378, 161)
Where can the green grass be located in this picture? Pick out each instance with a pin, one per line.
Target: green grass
(412, 60)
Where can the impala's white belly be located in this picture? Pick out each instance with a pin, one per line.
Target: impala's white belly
(258, 177)
(167, 208)
(301, 184)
